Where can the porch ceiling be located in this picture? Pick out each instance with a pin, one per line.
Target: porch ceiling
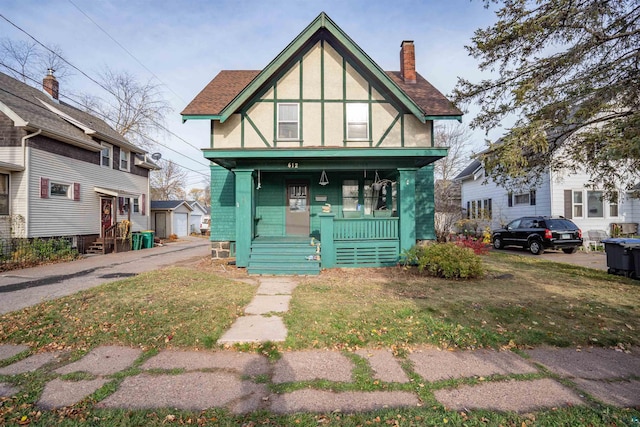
(289, 159)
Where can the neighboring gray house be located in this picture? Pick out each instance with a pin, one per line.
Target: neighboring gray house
(170, 217)
(64, 172)
(559, 194)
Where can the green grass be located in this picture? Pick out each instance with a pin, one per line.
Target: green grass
(521, 302)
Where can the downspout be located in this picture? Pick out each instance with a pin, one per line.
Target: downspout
(26, 160)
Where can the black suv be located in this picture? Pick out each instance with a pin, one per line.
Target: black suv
(539, 233)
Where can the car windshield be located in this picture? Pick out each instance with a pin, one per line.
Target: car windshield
(560, 224)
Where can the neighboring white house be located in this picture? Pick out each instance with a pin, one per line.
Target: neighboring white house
(64, 172)
(198, 213)
(559, 194)
(170, 217)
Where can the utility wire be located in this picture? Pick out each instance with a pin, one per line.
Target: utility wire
(125, 49)
(94, 80)
(101, 116)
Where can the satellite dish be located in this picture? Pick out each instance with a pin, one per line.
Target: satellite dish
(156, 156)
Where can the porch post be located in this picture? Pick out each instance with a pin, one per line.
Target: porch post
(244, 216)
(327, 246)
(407, 207)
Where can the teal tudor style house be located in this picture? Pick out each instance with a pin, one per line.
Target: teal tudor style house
(321, 159)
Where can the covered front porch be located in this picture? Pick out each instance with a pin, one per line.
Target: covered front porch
(356, 207)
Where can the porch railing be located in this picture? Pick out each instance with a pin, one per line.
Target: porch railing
(358, 242)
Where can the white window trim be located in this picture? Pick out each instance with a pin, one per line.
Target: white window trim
(135, 205)
(297, 122)
(527, 203)
(366, 123)
(128, 157)
(68, 195)
(606, 206)
(110, 148)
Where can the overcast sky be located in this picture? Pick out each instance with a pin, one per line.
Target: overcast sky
(185, 43)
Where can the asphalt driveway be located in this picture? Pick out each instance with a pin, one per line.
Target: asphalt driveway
(30, 286)
(592, 259)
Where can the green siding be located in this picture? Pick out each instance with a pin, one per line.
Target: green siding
(425, 204)
(223, 205)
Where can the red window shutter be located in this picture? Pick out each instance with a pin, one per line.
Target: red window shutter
(44, 188)
(76, 191)
(143, 204)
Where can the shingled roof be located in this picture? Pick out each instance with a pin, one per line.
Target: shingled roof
(226, 93)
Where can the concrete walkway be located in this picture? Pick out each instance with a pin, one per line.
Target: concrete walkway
(239, 382)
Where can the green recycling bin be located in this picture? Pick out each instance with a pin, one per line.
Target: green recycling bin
(136, 241)
(147, 239)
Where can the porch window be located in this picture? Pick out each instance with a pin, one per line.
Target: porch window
(350, 194)
(124, 160)
(106, 154)
(357, 121)
(595, 208)
(4, 194)
(613, 205)
(288, 121)
(577, 204)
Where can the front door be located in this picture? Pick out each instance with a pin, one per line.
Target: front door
(297, 216)
(106, 214)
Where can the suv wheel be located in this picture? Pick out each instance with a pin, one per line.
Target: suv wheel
(536, 248)
(497, 242)
(570, 250)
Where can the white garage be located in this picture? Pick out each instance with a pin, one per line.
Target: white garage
(170, 217)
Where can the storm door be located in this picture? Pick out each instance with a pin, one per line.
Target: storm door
(297, 209)
(106, 214)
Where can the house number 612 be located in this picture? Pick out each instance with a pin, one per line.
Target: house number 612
(292, 165)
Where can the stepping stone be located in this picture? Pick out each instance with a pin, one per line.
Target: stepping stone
(516, 396)
(263, 304)
(30, 364)
(106, 360)
(7, 390)
(274, 286)
(385, 366)
(436, 365)
(347, 402)
(255, 328)
(58, 393)
(589, 363)
(194, 391)
(624, 394)
(242, 363)
(312, 365)
(7, 351)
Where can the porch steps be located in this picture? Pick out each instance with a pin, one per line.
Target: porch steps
(283, 257)
(96, 247)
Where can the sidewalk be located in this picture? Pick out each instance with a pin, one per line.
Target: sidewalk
(30, 286)
(197, 380)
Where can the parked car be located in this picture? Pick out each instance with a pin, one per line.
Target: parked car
(538, 233)
(205, 222)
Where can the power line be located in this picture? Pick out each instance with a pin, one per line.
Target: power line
(160, 125)
(125, 49)
(102, 116)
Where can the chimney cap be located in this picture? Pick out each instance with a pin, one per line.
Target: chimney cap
(50, 71)
(406, 41)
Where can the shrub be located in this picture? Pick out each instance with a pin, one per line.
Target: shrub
(479, 246)
(450, 261)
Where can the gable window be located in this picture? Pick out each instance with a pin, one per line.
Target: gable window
(124, 160)
(106, 154)
(4, 194)
(289, 121)
(357, 121)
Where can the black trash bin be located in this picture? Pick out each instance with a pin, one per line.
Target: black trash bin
(620, 257)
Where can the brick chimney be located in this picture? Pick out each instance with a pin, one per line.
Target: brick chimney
(408, 61)
(50, 84)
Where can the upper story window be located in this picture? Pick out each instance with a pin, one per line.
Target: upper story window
(289, 121)
(4, 194)
(357, 121)
(124, 160)
(106, 155)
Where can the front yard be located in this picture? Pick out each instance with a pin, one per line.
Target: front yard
(521, 302)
